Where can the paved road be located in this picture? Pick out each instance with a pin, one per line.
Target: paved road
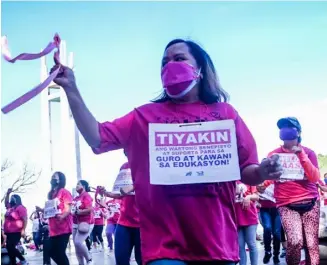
(106, 258)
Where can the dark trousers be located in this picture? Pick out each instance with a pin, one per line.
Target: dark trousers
(58, 246)
(46, 248)
(125, 239)
(271, 226)
(97, 233)
(11, 243)
(88, 243)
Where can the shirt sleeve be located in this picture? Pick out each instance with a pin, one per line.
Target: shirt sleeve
(22, 212)
(114, 135)
(251, 190)
(87, 201)
(309, 163)
(247, 149)
(67, 200)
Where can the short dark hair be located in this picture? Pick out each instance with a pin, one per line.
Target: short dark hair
(62, 184)
(210, 88)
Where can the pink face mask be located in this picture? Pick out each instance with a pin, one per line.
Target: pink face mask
(178, 78)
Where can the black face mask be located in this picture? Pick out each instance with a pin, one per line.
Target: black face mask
(54, 183)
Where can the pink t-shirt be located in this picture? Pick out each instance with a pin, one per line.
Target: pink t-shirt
(115, 215)
(249, 216)
(57, 227)
(98, 214)
(82, 202)
(295, 191)
(14, 219)
(180, 221)
(129, 214)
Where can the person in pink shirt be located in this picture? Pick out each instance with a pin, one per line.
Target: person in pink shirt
(60, 220)
(297, 199)
(271, 223)
(112, 220)
(83, 220)
(127, 234)
(14, 226)
(192, 101)
(99, 214)
(247, 219)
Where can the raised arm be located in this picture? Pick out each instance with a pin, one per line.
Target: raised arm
(7, 198)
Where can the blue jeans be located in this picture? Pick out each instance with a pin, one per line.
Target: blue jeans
(180, 262)
(36, 239)
(127, 238)
(247, 235)
(271, 226)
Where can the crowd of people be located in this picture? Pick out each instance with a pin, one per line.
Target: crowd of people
(172, 218)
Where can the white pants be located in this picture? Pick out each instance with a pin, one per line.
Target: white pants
(79, 242)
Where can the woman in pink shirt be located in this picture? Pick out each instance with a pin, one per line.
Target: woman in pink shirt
(83, 221)
(270, 221)
(99, 214)
(14, 226)
(247, 218)
(296, 193)
(127, 234)
(192, 102)
(60, 222)
(114, 214)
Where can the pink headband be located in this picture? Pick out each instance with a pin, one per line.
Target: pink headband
(55, 44)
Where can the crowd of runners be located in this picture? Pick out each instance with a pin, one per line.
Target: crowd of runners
(199, 190)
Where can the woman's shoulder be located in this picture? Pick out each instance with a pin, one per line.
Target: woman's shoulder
(64, 192)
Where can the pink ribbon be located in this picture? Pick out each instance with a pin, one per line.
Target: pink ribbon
(55, 44)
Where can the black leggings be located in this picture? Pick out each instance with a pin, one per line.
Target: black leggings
(88, 243)
(97, 233)
(58, 246)
(12, 241)
(283, 238)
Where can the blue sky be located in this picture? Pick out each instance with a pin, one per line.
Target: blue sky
(270, 56)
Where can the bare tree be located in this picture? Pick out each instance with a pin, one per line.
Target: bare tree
(26, 178)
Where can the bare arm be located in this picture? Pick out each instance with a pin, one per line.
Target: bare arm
(85, 121)
(85, 211)
(25, 223)
(253, 197)
(7, 198)
(32, 215)
(112, 195)
(251, 175)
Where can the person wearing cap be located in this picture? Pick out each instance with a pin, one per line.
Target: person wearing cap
(296, 193)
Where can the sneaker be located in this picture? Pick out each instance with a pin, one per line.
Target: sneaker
(24, 262)
(90, 262)
(283, 255)
(267, 258)
(276, 260)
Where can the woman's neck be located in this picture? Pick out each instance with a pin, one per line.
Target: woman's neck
(290, 145)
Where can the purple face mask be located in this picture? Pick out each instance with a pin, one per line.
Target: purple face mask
(288, 134)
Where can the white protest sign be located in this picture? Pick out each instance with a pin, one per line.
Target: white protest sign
(51, 208)
(268, 194)
(292, 168)
(124, 179)
(203, 152)
(114, 207)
